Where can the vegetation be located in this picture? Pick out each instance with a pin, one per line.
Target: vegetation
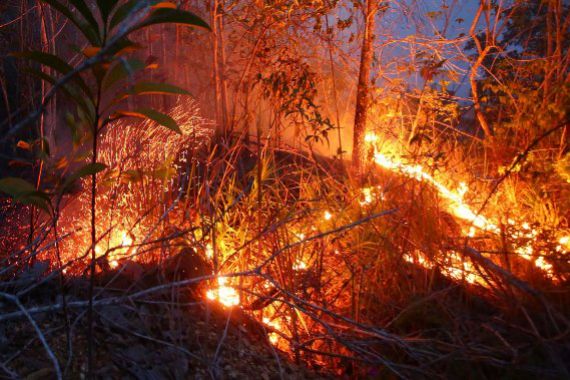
(357, 188)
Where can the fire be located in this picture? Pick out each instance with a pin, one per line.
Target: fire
(301, 236)
(209, 251)
(455, 267)
(370, 137)
(370, 195)
(118, 247)
(327, 215)
(273, 323)
(299, 265)
(367, 196)
(563, 244)
(224, 294)
(459, 208)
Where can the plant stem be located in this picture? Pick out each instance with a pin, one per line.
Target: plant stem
(90, 361)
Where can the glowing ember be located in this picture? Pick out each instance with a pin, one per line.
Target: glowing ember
(209, 251)
(367, 196)
(126, 240)
(370, 194)
(327, 215)
(455, 268)
(370, 137)
(299, 265)
(224, 294)
(273, 323)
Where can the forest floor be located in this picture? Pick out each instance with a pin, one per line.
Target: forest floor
(173, 333)
(152, 321)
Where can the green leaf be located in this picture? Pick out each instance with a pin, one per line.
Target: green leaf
(55, 63)
(73, 127)
(44, 148)
(165, 172)
(160, 118)
(148, 88)
(87, 14)
(105, 8)
(172, 16)
(122, 70)
(46, 59)
(122, 12)
(124, 45)
(15, 187)
(91, 34)
(72, 92)
(24, 192)
(132, 175)
(87, 170)
(36, 198)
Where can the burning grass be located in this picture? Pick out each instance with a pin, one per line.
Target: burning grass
(407, 275)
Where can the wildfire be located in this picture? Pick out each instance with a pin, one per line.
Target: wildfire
(224, 294)
(455, 267)
(119, 246)
(299, 265)
(458, 207)
(273, 323)
(209, 251)
(120, 243)
(370, 195)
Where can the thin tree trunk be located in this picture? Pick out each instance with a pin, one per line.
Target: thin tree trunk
(363, 89)
(473, 74)
(92, 266)
(220, 128)
(335, 92)
(222, 70)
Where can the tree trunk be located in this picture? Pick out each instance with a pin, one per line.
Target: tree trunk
(473, 74)
(363, 89)
(218, 68)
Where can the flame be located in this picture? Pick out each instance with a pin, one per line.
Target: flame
(300, 236)
(370, 138)
(327, 215)
(455, 267)
(224, 294)
(273, 323)
(117, 248)
(126, 240)
(299, 265)
(367, 196)
(458, 207)
(209, 251)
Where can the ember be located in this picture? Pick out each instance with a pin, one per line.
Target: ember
(223, 293)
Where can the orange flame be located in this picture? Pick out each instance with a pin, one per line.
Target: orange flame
(458, 207)
(224, 294)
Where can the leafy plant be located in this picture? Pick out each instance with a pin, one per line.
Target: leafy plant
(98, 88)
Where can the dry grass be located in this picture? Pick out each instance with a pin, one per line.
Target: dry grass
(361, 282)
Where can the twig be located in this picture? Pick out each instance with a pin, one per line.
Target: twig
(214, 363)
(39, 332)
